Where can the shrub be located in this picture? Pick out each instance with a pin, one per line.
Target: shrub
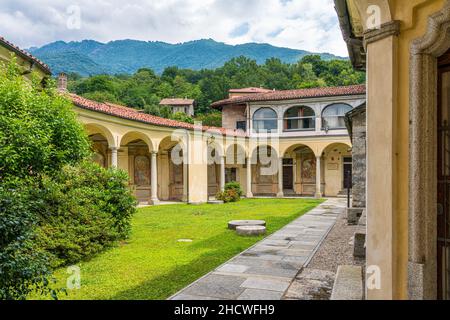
(227, 196)
(234, 186)
(85, 209)
(23, 266)
(54, 207)
(39, 132)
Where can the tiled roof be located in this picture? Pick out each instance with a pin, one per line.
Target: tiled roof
(250, 90)
(177, 102)
(294, 94)
(24, 54)
(132, 114)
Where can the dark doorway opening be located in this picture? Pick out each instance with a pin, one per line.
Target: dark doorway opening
(443, 179)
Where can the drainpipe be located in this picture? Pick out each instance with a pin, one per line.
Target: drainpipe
(187, 167)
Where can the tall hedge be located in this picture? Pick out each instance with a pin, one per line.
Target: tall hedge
(84, 209)
(55, 207)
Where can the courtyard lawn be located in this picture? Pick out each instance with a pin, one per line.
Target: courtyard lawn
(153, 264)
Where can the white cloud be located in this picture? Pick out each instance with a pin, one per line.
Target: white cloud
(302, 24)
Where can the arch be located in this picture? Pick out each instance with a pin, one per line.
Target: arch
(333, 116)
(424, 51)
(172, 159)
(331, 144)
(236, 154)
(289, 149)
(299, 118)
(94, 128)
(265, 120)
(132, 136)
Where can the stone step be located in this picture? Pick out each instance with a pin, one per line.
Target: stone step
(348, 284)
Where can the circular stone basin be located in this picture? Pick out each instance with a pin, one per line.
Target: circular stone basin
(245, 223)
(251, 230)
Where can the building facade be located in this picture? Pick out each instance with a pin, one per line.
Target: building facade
(405, 48)
(185, 106)
(28, 63)
(310, 161)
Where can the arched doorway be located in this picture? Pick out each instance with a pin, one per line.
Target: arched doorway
(99, 149)
(443, 178)
(265, 171)
(337, 169)
(215, 159)
(299, 171)
(236, 165)
(172, 170)
(137, 147)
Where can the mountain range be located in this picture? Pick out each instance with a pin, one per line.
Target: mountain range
(89, 57)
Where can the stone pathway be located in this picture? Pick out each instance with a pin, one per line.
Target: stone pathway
(266, 270)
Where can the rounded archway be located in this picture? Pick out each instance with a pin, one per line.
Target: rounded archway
(337, 160)
(100, 149)
(172, 170)
(97, 129)
(264, 170)
(300, 167)
(136, 147)
(333, 116)
(299, 118)
(215, 160)
(265, 120)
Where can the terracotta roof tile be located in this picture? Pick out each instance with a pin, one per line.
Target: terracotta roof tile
(24, 54)
(294, 94)
(133, 114)
(177, 102)
(250, 90)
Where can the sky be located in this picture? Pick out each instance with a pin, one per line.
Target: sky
(310, 25)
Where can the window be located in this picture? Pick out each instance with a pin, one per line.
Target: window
(241, 125)
(230, 175)
(333, 116)
(265, 119)
(299, 118)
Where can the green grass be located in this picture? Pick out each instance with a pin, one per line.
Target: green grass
(152, 264)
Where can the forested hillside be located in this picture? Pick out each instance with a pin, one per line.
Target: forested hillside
(89, 57)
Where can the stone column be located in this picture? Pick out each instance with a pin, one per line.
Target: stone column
(154, 179)
(114, 157)
(318, 177)
(294, 175)
(280, 193)
(222, 174)
(249, 178)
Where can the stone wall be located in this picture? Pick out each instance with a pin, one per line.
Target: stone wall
(359, 160)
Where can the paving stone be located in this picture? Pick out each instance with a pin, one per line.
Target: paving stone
(255, 294)
(265, 271)
(348, 284)
(233, 268)
(266, 284)
(191, 297)
(217, 286)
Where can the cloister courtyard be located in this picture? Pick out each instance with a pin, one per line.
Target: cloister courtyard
(173, 245)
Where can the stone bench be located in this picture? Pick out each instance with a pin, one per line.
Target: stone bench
(353, 215)
(232, 225)
(359, 245)
(251, 230)
(348, 284)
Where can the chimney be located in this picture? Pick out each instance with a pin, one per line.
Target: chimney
(62, 82)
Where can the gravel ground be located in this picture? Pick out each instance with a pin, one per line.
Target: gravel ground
(315, 282)
(337, 248)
